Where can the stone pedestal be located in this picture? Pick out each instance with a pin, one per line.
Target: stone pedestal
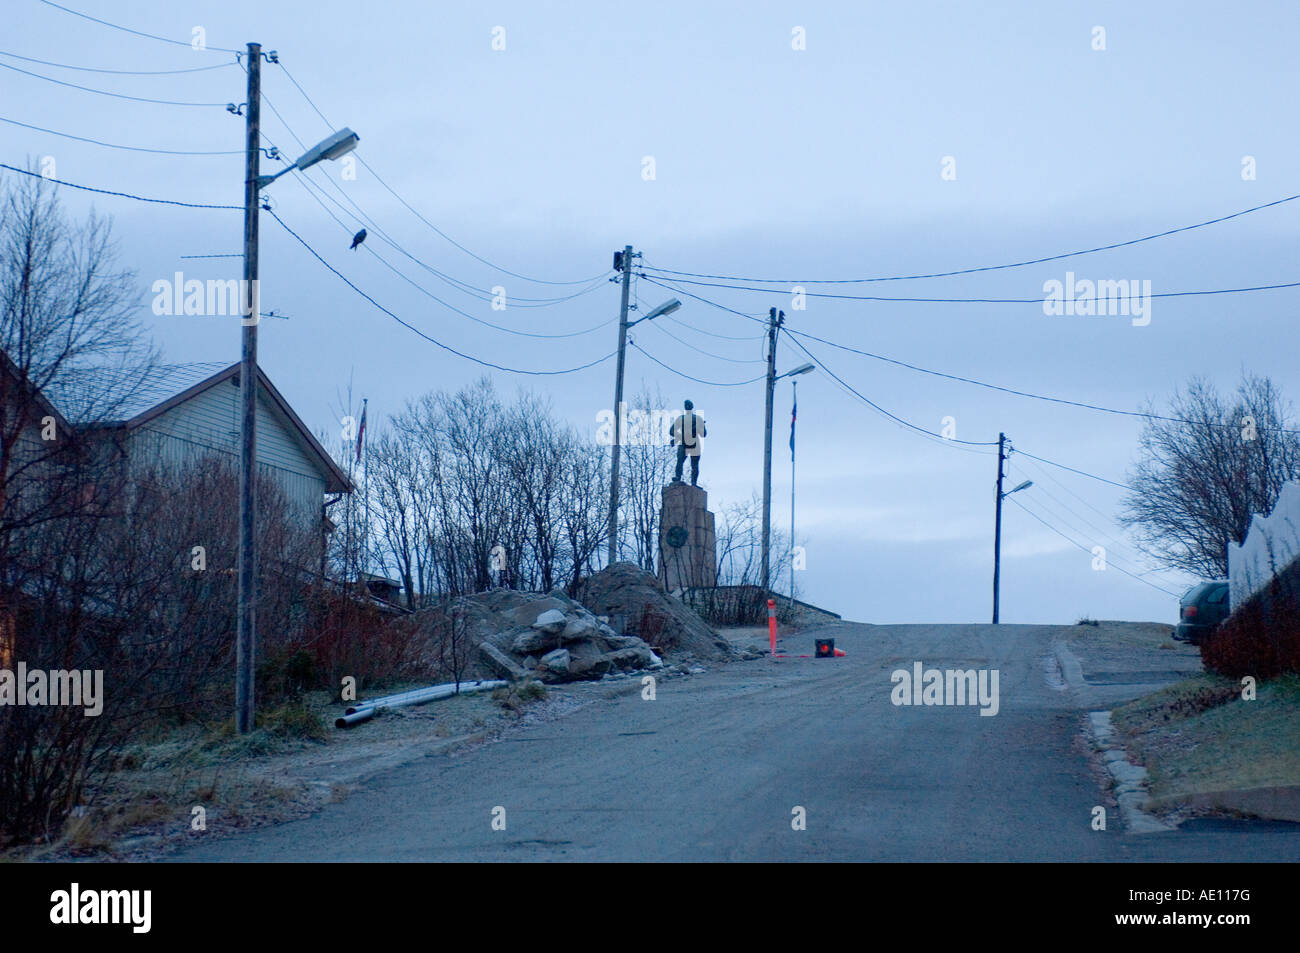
(688, 549)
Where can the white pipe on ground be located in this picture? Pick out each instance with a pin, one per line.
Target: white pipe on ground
(354, 718)
(364, 711)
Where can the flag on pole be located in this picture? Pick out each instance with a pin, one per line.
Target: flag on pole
(361, 431)
(794, 413)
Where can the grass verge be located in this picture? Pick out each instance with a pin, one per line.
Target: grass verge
(1200, 737)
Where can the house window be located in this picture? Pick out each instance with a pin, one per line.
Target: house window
(7, 639)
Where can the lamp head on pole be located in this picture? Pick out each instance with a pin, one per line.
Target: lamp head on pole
(1023, 486)
(335, 147)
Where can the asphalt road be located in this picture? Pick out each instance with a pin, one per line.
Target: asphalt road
(715, 766)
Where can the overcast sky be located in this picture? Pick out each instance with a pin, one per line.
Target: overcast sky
(825, 162)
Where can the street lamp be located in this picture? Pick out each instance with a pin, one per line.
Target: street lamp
(623, 261)
(997, 524)
(335, 147)
(668, 307)
(339, 144)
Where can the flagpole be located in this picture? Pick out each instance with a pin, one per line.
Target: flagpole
(365, 449)
(351, 454)
(794, 413)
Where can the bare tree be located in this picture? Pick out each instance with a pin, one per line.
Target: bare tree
(584, 510)
(648, 461)
(535, 448)
(402, 468)
(1204, 474)
(468, 491)
(452, 643)
(69, 340)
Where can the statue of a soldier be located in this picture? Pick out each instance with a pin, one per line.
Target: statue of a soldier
(686, 432)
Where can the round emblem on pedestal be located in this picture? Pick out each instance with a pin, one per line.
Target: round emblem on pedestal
(677, 537)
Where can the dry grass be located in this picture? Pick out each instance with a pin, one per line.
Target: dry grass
(1201, 736)
(293, 762)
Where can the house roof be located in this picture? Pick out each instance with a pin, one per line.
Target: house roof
(137, 394)
(128, 400)
(93, 397)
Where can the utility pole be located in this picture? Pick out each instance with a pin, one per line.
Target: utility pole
(997, 527)
(623, 262)
(246, 624)
(774, 321)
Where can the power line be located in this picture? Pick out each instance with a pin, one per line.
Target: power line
(467, 251)
(361, 215)
(1008, 390)
(1062, 466)
(971, 271)
(411, 327)
(124, 195)
(479, 294)
(700, 350)
(1145, 582)
(695, 379)
(1090, 529)
(1042, 473)
(1038, 301)
(797, 334)
(894, 417)
(151, 36)
(105, 92)
(721, 307)
(118, 72)
(113, 145)
(312, 188)
(721, 337)
(413, 211)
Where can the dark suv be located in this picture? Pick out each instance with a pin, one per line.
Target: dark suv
(1200, 611)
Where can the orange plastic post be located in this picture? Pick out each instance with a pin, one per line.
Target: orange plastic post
(771, 624)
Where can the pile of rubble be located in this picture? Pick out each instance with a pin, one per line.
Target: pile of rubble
(638, 604)
(516, 635)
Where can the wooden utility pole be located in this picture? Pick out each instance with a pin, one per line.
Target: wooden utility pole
(623, 259)
(774, 321)
(997, 527)
(246, 624)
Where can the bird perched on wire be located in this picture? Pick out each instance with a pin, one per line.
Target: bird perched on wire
(357, 239)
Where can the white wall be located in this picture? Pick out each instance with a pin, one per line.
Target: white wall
(1270, 546)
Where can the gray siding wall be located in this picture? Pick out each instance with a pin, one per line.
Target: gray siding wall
(209, 422)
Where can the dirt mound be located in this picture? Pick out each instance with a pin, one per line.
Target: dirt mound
(638, 605)
(504, 633)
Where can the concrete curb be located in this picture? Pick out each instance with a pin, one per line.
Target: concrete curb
(1128, 780)
(1071, 667)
